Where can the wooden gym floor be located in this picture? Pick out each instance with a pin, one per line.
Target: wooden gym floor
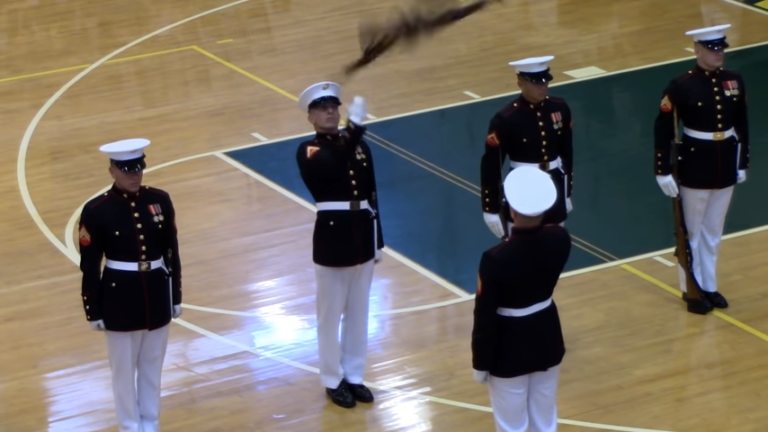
(203, 78)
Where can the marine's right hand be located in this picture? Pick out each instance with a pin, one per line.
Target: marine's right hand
(667, 185)
(493, 220)
(97, 325)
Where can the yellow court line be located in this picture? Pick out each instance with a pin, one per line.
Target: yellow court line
(71, 68)
(725, 317)
(224, 41)
(626, 267)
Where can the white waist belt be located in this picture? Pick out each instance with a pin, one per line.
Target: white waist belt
(530, 310)
(343, 205)
(712, 136)
(545, 166)
(141, 266)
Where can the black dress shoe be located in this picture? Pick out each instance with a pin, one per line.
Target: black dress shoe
(341, 395)
(716, 299)
(361, 393)
(699, 306)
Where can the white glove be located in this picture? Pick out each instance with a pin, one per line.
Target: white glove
(481, 376)
(357, 110)
(176, 311)
(378, 257)
(668, 185)
(568, 205)
(493, 220)
(741, 175)
(97, 325)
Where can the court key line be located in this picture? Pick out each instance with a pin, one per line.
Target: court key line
(580, 243)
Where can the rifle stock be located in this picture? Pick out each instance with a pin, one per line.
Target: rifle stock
(683, 246)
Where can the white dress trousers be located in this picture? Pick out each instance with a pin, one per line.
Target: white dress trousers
(704, 212)
(527, 402)
(342, 300)
(136, 359)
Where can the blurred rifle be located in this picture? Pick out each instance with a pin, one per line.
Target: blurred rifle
(420, 19)
(683, 247)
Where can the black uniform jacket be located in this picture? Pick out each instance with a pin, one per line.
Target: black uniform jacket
(130, 228)
(517, 274)
(530, 133)
(334, 168)
(706, 102)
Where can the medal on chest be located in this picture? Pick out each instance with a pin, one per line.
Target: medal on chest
(359, 153)
(557, 120)
(731, 88)
(157, 212)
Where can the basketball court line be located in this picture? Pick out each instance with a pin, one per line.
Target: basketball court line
(746, 6)
(21, 168)
(389, 389)
(626, 267)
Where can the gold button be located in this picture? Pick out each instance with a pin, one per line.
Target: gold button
(486, 200)
(718, 107)
(531, 106)
(525, 140)
(717, 97)
(159, 226)
(354, 192)
(141, 237)
(658, 171)
(87, 307)
(113, 284)
(538, 114)
(88, 316)
(720, 126)
(719, 116)
(658, 163)
(85, 298)
(138, 225)
(143, 257)
(143, 248)
(541, 123)
(543, 133)
(133, 204)
(117, 232)
(714, 80)
(699, 103)
(543, 143)
(135, 215)
(658, 154)
(545, 158)
(125, 195)
(354, 182)
(351, 172)
(717, 89)
(543, 150)
(515, 103)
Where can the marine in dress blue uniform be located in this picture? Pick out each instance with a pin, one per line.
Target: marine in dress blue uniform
(338, 170)
(138, 291)
(533, 130)
(517, 340)
(711, 103)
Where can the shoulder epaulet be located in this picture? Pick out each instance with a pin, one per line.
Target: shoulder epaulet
(150, 189)
(507, 109)
(93, 202)
(558, 100)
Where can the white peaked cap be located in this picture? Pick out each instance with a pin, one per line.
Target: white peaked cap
(529, 191)
(708, 33)
(533, 64)
(317, 91)
(126, 149)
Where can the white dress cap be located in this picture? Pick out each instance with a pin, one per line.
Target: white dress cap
(529, 191)
(322, 90)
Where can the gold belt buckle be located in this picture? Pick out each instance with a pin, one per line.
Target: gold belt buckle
(544, 166)
(718, 136)
(145, 266)
(354, 205)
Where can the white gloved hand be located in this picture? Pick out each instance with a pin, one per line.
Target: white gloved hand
(481, 376)
(741, 176)
(176, 311)
(357, 110)
(568, 205)
(493, 220)
(97, 325)
(668, 185)
(378, 257)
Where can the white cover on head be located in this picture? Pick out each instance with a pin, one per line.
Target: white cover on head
(708, 33)
(533, 64)
(318, 90)
(126, 149)
(529, 191)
